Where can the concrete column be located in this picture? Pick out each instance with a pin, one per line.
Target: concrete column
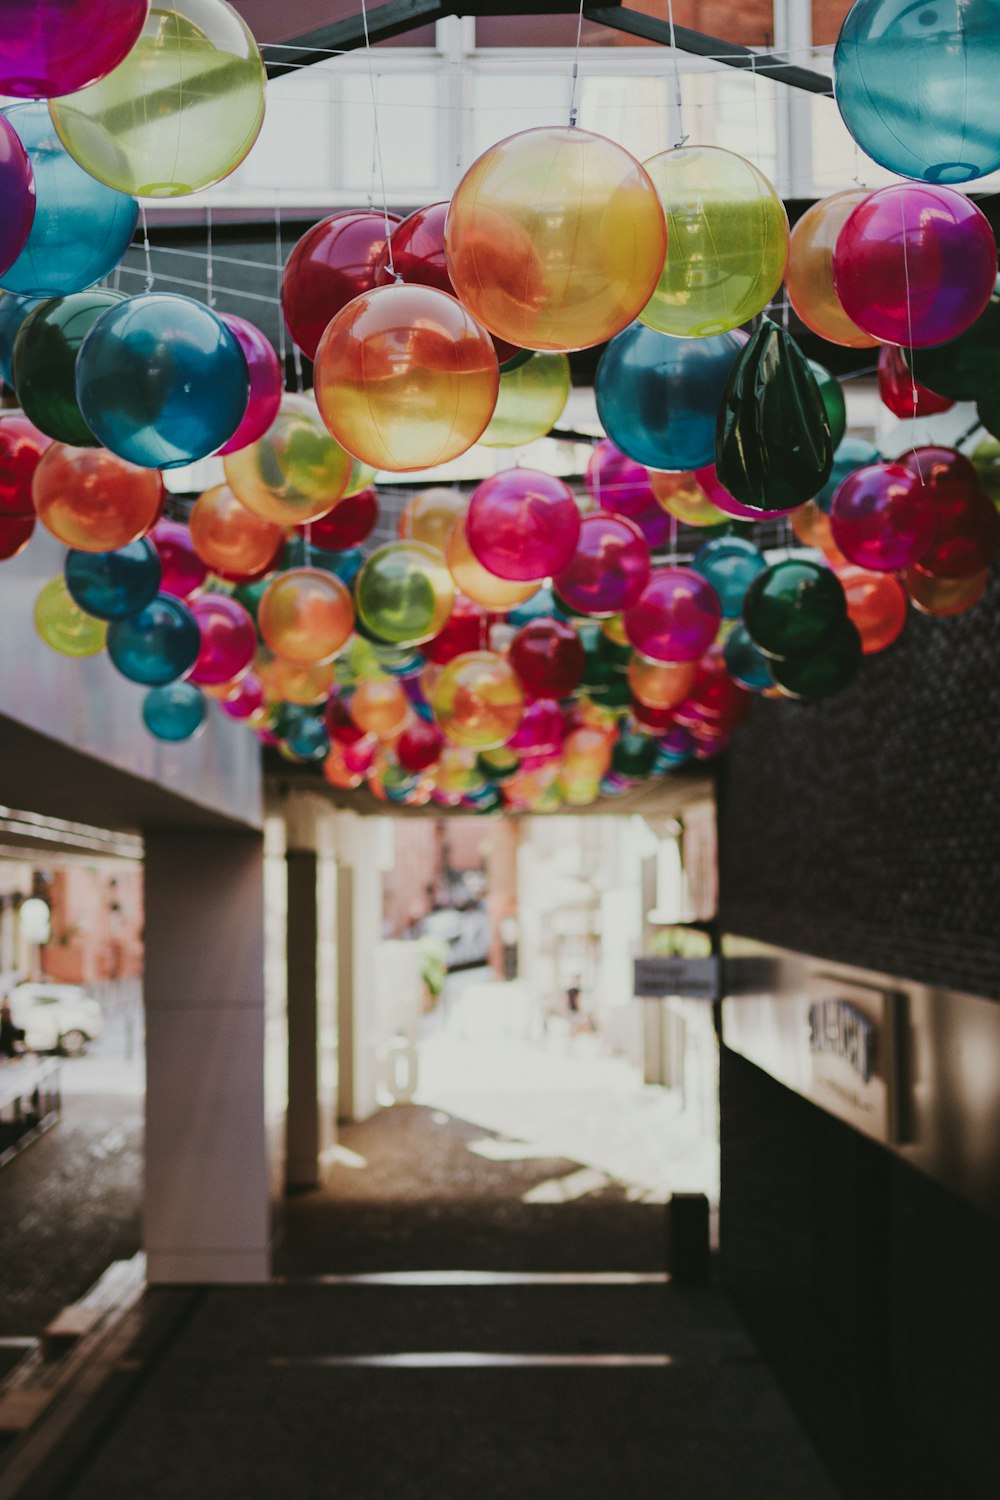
(359, 931)
(207, 1204)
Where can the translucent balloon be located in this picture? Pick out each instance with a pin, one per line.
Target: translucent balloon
(289, 682)
(156, 646)
(231, 540)
(944, 597)
(266, 383)
(809, 274)
(522, 525)
(465, 630)
(661, 685)
(876, 603)
(883, 518)
(15, 534)
(295, 472)
(419, 746)
(658, 397)
(21, 449)
(531, 401)
(334, 262)
(834, 404)
(676, 617)
(44, 362)
(81, 228)
(548, 657)
(182, 569)
(406, 378)
(161, 380)
(64, 626)
(683, 498)
(900, 392)
(430, 514)
(745, 662)
(730, 564)
(555, 239)
(93, 500)
(477, 700)
(792, 606)
(404, 593)
(812, 527)
(709, 483)
(179, 113)
(727, 233)
(228, 638)
(967, 368)
(17, 189)
(175, 712)
(13, 311)
(247, 699)
(350, 521)
(609, 569)
(380, 707)
(828, 669)
(616, 482)
(306, 615)
(916, 86)
(304, 734)
(48, 50)
(114, 585)
(966, 522)
(915, 264)
(477, 582)
(852, 453)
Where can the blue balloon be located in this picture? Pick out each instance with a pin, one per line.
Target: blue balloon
(346, 564)
(916, 85)
(114, 585)
(13, 311)
(745, 662)
(730, 563)
(543, 605)
(161, 380)
(305, 734)
(852, 453)
(399, 661)
(658, 397)
(82, 228)
(157, 645)
(174, 712)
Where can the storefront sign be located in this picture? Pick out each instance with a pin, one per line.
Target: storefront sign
(851, 1036)
(680, 978)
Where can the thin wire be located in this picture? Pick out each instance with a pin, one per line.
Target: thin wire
(576, 68)
(678, 101)
(145, 246)
(199, 286)
(378, 144)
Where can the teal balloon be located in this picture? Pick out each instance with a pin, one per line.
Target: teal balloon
(967, 368)
(834, 404)
(156, 646)
(745, 662)
(730, 563)
(44, 364)
(851, 453)
(13, 311)
(175, 712)
(791, 606)
(81, 228)
(774, 449)
(305, 734)
(658, 397)
(161, 380)
(114, 585)
(916, 85)
(827, 670)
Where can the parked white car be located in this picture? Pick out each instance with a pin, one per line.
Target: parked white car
(56, 1017)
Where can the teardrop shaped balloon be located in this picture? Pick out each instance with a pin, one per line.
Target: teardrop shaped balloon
(773, 441)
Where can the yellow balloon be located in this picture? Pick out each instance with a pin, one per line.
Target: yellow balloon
(295, 473)
(478, 700)
(380, 706)
(727, 242)
(430, 515)
(473, 580)
(179, 113)
(292, 682)
(809, 278)
(682, 496)
(555, 239)
(531, 401)
(64, 626)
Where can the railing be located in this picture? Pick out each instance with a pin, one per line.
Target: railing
(30, 1103)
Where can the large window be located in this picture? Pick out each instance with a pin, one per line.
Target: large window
(828, 17)
(749, 22)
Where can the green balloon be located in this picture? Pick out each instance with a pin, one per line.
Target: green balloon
(985, 458)
(634, 754)
(832, 393)
(404, 593)
(44, 362)
(497, 765)
(531, 401)
(774, 448)
(791, 607)
(966, 368)
(827, 670)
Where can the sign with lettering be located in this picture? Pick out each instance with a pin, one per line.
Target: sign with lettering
(852, 1040)
(676, 978)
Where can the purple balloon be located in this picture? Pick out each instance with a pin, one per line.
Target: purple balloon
(183, 569)
(53, 47)
(540, 732)
(617, 482)
(609, 569)
(228, 638)
(678, 742)
(656, 525)
(676, 617)
(266, 383)
(884, 518)
(17, 193)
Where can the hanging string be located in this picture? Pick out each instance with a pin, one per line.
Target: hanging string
(909, 329)
(209, 287)
(280, 268)
(678, 101)
(576, 68)
(145, 246)
(378, 144)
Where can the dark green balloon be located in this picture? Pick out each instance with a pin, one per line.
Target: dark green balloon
(985, 458)
(44, 362)
(792, 606)
(832, 393)
(497, 765)
(829, 669)
(634, 754)
(774, 448)
(967, 368)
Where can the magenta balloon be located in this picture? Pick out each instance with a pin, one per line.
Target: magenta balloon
(656, 525)
(609, 569)
(228, 638)
(617, 482)
(17, 191)
(48, 48)
(266, 383)
(915, 264)
(523, 525)
(247, 700)
(540, 731)
(183, 570)
(676, 617)
(883, 518)
(715, 491)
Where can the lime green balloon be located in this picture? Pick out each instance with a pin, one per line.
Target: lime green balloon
(64, 626)
(179, 113)
(404, 593)
(727, 242)
(531, 401)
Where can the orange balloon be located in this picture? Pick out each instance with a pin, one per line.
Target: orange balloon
(473, 580)
(233, 541)
(306, 616)
(430, 515)
(379, 706)
(406, 378)
(944, 596)
(337, 773)
(812, 527)
(94, 501)
(660, 684)
(876, 602)
(586, 754)
(289, 682)
(682, 496)
(809, 273)
(296, 472)
(555, 239)
(478, 700)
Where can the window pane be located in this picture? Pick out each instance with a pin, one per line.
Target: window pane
(828, 16)
(279, 23)
(749, 22)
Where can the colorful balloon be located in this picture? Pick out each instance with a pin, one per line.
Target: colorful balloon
(247, 699)
(351, 521)
(522, 525)
(404, 593)
(295, 472)
(64, 626)
(967, 368)
(175, 712)
(661, 685)
(306, 615)
(44, 362)
(745, 662)
(966, 522)
(555, 239)
(530, 402)
(609, 569)
(179, 113)
(17, 187)
(792, 606)
(675, 618)
(944, 597)
(231, 540)
(267, 383)
(290, 682)
(13, 311)
(465, 630)
(708, 482)
(477, 582)
(156, 646)
(834, 404)
(477, 700)
(334, 262)
(182, 569)
(809, 274)
(876, 603)
(15, 534)
(727, 233)
(21, 449)
(616, 482)
(419, 746)
(94, 501)
(430, 514)
(114, 585)
(48, 52)
(852, 453)
(406, 378)
(900, 392)
(812, 527)
(828, 669)
(730, 564)
(548, 657)
(882, 518)
(228, 638)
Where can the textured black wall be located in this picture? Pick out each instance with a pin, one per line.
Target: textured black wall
(867, 828)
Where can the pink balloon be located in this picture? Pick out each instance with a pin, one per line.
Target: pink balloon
(523, 525)
(17, 189)
(656, 525)
(247, 700)
(617, 482)
(609, 569)
(540, 731)
(883, 518)
(228, 638)
(266, 383)
(915, 264)
(715, 490)
(183, 569)
(676, 617)
(50, 49)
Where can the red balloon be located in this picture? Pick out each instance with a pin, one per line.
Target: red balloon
(935, 465)
(340, 726)
(21, 448)
(15, 534)
(716, 700)
(523, 525)
(465, 631)
(349, 522)
(609, 569)
(548, 657)
(896, 385)
(419, 746)
(183, 570)
(967, 523)
(652, 720)
(882, 518)
(228, 638)
(541, 730)
(333, 263)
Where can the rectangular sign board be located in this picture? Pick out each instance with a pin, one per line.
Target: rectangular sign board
(676, 978)
(852, 1035)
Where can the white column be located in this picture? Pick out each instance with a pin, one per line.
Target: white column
(793, 34)
(359, 933)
